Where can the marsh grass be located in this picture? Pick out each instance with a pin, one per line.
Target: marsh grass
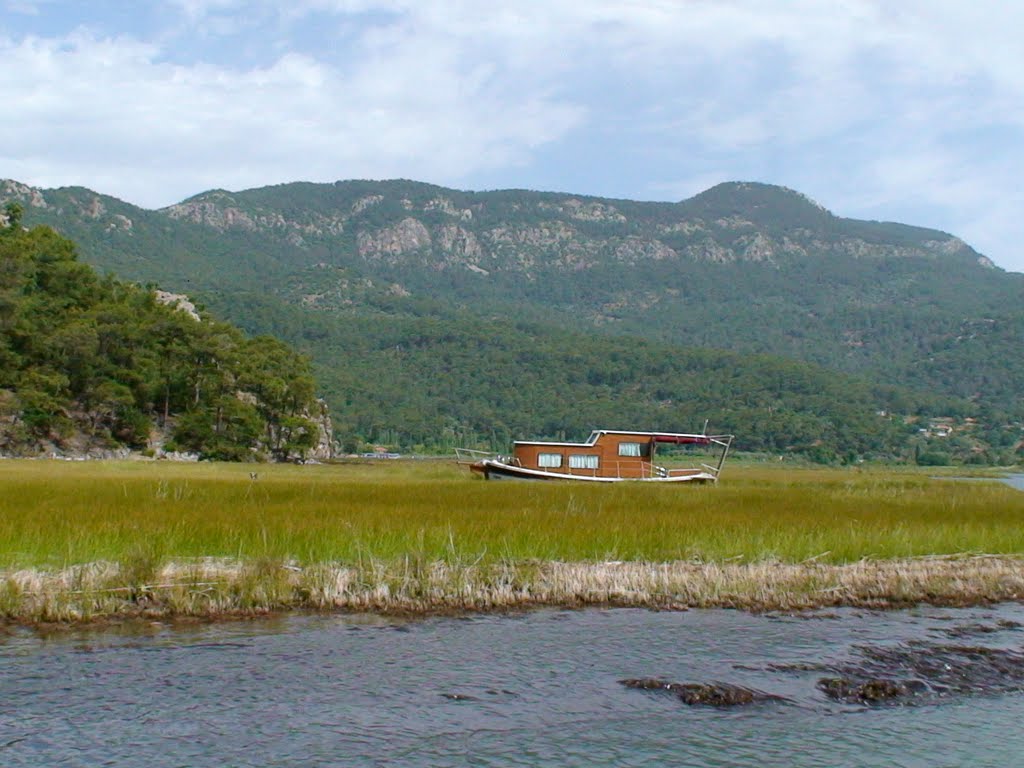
(80, 540)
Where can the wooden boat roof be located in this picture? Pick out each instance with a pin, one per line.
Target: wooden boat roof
(677, 438)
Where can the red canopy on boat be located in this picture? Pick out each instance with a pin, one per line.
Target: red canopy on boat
(683, 439)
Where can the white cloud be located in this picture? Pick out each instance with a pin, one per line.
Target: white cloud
(196, 10)
(111, 107)
(24, 7)
(874, 105)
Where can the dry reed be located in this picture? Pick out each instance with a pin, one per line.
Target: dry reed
(211, 588)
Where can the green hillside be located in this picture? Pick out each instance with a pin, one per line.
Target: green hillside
(435, 380)
(356, 272)
(89, 363)
(748, 267)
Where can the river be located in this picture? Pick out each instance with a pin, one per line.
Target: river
(539, 688)
(1015, 481)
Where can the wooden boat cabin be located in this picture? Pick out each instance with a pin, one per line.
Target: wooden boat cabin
(615, 455)
(607, 456)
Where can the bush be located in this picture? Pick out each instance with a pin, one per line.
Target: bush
(934, 459)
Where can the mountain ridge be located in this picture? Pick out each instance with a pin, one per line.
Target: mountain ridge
(712, 206)
(743, 266)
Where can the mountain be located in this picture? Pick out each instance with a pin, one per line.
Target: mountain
(754, 269)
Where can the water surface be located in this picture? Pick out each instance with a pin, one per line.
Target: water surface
(1015, 481)
(534, 689)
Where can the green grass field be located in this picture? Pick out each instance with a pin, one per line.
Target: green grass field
(58, 514)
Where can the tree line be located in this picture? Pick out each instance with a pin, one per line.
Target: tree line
(84, 356)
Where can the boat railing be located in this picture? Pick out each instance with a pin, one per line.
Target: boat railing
(648, 469)
(721, 442)
(472, 456)
(633, 469)
(627, 469)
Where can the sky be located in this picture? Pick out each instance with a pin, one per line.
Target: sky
(908, 111)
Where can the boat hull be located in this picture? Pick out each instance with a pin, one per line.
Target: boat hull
(491, 469)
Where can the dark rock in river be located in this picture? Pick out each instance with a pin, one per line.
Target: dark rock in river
(707, 694)
(459, 697)
(719, 695)
(912, 673)
(922, 673)
(874, 691)
(966, 630)
(648, 684)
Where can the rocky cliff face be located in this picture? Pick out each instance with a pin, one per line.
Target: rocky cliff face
(519, 232)
(325, 448)
(343, 246)
(395, 223)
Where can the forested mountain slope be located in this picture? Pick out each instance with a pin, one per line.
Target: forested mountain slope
(425, 380)
(90, 364)
(751, 268)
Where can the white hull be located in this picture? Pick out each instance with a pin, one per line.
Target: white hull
(492, 469)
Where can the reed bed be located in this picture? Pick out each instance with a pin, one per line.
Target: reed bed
(93, 540)
(212, 589)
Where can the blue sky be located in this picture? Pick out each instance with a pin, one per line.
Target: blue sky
(910, 111)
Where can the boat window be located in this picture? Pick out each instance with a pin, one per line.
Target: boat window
(629, 449)
(582, 461)
(549, 460)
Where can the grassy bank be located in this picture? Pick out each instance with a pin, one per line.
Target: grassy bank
(82, 540)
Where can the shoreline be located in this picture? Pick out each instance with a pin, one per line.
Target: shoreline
(211, 590)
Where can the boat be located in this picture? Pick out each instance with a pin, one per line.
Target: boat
(607, 456)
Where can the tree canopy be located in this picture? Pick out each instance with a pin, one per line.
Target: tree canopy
(85, 356)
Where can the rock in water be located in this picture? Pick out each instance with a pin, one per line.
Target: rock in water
(704, 694)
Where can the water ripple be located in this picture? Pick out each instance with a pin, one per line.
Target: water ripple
(533, 689)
